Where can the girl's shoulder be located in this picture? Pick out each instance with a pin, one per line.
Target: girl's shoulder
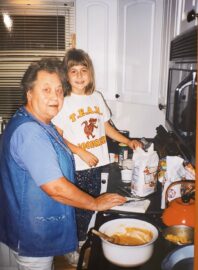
(98, 94)
(100, 97)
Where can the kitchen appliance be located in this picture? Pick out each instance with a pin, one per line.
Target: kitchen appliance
(181, 94)
(181, 210)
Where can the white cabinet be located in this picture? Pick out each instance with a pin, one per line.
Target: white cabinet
(7, 261)
(123, 38)
(169, 32)
(140, 36)
(183, 8)
(96, 28)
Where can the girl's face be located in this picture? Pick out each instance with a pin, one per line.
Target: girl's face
(79, 78)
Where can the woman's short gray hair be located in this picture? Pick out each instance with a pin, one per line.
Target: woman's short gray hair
(49, 64)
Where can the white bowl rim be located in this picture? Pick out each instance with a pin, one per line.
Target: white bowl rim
(130, 219)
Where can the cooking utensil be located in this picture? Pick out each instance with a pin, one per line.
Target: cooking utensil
(129, 194)
(135, 199)
(125, 191)
(179, 234)
(136, 235)
(180, 259)
(103, 236)
(127, 256)
(180, 210)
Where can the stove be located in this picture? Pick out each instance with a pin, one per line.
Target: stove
(97, 261)
(166, 144)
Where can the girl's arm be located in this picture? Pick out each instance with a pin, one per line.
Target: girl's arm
(117, 136)
(86, 156)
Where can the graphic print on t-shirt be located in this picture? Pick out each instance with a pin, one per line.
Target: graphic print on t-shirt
(89, 127)
(81, 112)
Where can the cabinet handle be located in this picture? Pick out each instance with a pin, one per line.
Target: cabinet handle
(191, 15)
(161, 107)
(117, 95)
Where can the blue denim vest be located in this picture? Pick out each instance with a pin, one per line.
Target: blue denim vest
(32, 223)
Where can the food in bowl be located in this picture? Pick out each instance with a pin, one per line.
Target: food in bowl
(179, 234)
(133, 236)
(181, 239)
(128, 255)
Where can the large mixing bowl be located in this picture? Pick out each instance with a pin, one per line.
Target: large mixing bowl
(127, 256)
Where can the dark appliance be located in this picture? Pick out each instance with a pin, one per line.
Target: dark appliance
(181, 94)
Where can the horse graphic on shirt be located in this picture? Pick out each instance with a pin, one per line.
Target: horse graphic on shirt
(89, 127)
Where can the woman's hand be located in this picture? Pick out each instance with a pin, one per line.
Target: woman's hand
(133, 144)
(88, 157)
(108, 200)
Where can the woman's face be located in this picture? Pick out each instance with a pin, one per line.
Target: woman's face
(46, 98)
(79, 77)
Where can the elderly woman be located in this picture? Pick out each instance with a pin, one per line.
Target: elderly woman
(37, 185)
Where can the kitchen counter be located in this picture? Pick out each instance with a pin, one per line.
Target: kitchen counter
(97, 260)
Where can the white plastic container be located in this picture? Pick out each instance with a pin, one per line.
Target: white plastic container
(126, 175)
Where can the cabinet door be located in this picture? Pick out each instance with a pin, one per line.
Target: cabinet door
(140, 33)
(96, 28)
(183, 8)
(169, 32)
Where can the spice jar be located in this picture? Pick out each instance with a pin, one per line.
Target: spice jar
(122, 153)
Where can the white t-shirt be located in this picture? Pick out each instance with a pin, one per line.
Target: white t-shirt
(82, 119)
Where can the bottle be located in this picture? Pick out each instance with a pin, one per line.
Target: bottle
(123, 153)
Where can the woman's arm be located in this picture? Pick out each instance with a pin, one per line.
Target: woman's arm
(65, 192)
(117, 136)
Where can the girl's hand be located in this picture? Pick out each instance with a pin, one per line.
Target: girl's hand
(88, 157)
(133, 144)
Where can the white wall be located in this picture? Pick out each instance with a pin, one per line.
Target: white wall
(140, 120)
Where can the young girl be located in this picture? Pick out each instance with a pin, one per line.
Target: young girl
(83, 122)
